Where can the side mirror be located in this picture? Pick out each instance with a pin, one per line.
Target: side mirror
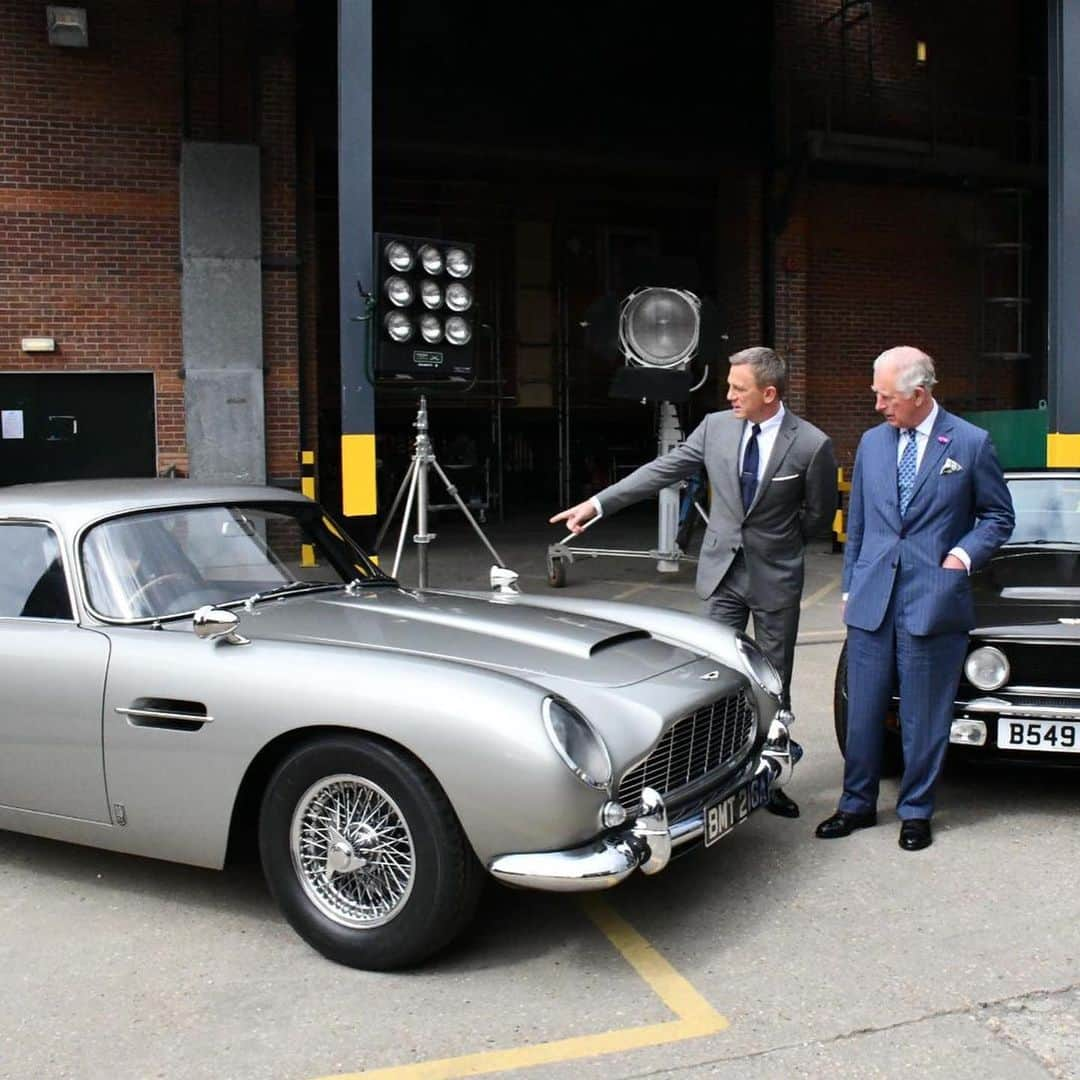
(504, 581)
(211, 622)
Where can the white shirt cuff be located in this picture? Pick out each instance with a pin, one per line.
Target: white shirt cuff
(963, 556)
(597, 507)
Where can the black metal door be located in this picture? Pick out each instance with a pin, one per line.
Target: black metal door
(67, 427)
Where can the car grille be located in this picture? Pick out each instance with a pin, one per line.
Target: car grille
(1039, 665)
(712, 736)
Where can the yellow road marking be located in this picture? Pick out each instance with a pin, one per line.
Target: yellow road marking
(632, 591)
(696, 1018)
(814, 597)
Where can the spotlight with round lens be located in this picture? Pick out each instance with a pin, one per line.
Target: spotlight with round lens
(398, 326)
(458, 331)
(431, 294)
(399, 256)
(458, 296)
(431, 259)
(431, 329)
(399, 291)
(458, 263)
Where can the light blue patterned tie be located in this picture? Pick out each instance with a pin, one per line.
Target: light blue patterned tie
(905, 473)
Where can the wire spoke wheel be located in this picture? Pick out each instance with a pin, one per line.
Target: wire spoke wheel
(353, 851)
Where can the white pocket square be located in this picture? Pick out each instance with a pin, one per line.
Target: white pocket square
(791, 476)
(951, 466)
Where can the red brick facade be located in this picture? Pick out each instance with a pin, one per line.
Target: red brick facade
(89, 201)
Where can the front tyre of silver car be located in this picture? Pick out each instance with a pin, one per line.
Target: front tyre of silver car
(364, 854)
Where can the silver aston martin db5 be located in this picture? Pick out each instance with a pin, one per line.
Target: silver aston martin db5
(190, 670)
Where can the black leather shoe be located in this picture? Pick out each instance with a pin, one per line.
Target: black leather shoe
(781, 805)
(844, 824)
(915, 834)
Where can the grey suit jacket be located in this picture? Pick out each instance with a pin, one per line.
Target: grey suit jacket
(795, 501)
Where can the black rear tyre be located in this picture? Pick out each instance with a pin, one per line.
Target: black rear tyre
(892, 751)
(364, 854)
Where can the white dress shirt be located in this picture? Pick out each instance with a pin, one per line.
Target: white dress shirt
(766, 440)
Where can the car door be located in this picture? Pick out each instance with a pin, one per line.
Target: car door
(53, 675)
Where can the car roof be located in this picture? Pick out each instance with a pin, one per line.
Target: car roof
(73, 503)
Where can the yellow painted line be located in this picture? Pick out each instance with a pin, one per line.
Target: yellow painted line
(696, 1018)
(632, 591)
(673, 989)
(824, 591)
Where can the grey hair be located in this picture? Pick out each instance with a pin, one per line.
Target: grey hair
(914, 368)
(768, 367)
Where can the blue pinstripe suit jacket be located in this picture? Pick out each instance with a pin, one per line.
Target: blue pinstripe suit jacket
(969, 507)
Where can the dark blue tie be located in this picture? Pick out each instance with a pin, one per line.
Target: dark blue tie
(905, 471)
(748, 475)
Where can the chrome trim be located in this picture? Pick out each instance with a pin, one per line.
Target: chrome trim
(159, 714)
(1043, 691)
(999, 707)
(646, 844)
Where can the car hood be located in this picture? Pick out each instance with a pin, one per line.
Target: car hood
(471, 630)
(1024, 586)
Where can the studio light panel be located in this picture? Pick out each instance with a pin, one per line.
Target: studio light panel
(425, 310)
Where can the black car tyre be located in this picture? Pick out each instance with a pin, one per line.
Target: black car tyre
(892, 752)
(364, 854)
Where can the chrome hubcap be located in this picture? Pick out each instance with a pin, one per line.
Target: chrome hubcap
(352, 851)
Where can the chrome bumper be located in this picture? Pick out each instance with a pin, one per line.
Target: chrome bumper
(646, 843)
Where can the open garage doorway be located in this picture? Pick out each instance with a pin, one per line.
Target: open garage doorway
(836, 176)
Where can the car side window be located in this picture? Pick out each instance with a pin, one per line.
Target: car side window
(32, 580)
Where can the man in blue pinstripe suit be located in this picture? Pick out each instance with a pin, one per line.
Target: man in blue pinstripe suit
(928, 505)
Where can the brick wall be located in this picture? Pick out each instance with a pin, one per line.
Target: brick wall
(873, 260)
(89, 198)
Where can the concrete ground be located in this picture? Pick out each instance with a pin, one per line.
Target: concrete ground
(770, 954)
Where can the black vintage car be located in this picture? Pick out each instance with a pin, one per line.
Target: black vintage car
(1019, 695)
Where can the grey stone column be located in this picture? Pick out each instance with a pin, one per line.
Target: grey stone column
(221, 303)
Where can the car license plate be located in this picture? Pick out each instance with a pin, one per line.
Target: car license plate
(1062, 736)
(722, 816)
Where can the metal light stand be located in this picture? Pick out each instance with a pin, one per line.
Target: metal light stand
(414, 485)
(667, 551)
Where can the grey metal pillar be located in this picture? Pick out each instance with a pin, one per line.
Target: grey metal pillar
(222, 311)
(1063, 163)
(357, 276)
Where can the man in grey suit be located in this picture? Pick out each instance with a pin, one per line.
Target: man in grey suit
(929, 504)
(773, 487)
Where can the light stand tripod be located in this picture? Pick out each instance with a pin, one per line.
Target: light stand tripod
(414, 485)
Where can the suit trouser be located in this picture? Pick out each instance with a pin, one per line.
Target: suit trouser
(927, 671)
(774, 631)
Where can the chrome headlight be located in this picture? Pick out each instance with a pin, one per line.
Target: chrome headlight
(987, 668)
(758, 666)
(577, 743)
